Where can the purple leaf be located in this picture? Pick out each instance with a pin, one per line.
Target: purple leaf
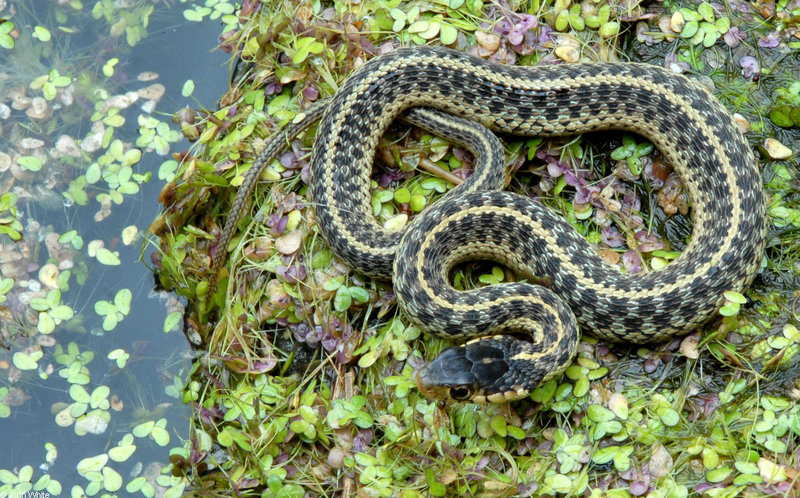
(291, 274)
(749, 65)
(288, 160)
(769, 41)
(311, 93)
(648, 242)
(279, 226)
(272, 88)
(545, 35)
(733, 37)
(555, 169)
(611, 237)
(632, 261)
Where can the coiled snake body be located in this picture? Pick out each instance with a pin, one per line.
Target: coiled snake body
(689, 127)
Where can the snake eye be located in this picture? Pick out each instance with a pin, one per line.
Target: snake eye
(460, 393)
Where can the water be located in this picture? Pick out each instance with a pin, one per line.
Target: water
(176, 50)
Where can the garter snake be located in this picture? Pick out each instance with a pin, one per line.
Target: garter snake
(691, 129)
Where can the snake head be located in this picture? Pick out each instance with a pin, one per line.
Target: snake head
(477, 372)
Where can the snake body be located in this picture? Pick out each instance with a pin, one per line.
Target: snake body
(482, 143)
(690, 128)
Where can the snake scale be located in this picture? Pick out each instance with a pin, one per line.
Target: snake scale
(522, 333)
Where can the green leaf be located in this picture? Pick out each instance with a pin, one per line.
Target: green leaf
(609, 29)
(669, 416)
(360, 294)
(192, 15)
(635, 165)
(94, 486)
(115, 120)
(333, 283)
(41, 33)
(498, 425)
(136, 484)
(780, 117)
(622, 461)
(6, 284)
(144, 429)
(30, 163)
(516, 432)
(448, 34)
(39, 304)
(12, 234)
(110, 321)
(25, 473)
(435, 488)
(79, 394)
(188, 88)
(120, 356)
(112, 481)
(718, 475)
(92, 464)
(560, 483)
(131, 157)
(99, 398)
(62, 312)
(730, 309)
(735, 297)
(305, 46)
(107, 257)
(103, 308)
(46, 324)
(620, 153)
(343, 299)
(108, 67)
(172, 321)
(167, 170)
(7, 477)
(122, 300)
(598, 413)
(605, 455)
(121, 453)
(689, 29)
(42, 483)
(745, 479)
(402, 195)
(705, 10)
(27, 361)
(128, 188)
(299, 426)
(643, 149)
(710, 38)
(62, 81)
(53, 298)
(6, 41)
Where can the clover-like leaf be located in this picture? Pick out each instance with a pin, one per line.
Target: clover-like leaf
(120, 356)
(122, 300)
(27, 361)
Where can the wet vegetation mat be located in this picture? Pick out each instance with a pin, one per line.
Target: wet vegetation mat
(303, 382)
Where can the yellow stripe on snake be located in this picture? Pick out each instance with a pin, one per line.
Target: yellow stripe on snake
(520, 333)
